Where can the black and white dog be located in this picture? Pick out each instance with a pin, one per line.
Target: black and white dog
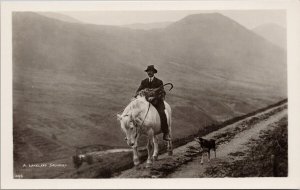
(206, 146)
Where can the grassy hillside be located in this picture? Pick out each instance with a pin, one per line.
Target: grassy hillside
(70, 79)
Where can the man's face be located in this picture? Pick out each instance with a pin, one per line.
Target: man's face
(150, 73)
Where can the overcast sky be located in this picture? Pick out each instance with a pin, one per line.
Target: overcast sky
(248, 18)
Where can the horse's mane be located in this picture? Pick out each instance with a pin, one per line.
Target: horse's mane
(133, 106)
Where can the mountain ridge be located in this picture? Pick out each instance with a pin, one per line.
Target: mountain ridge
(59, 16)
(273, 33)
(147, 26)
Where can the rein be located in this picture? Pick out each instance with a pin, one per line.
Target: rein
(143, 121)
(146, 115)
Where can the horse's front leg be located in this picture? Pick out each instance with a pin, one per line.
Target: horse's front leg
(155, 151)
(149, 149)
(136, 159)
(202, 158)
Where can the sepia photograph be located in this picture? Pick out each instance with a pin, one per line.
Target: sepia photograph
(143, 94)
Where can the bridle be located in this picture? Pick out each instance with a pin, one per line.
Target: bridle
(137, 128)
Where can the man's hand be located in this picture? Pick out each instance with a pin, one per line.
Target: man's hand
(150, 99)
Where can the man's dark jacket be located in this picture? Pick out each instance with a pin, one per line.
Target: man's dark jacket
(158, 103)
(155, 83)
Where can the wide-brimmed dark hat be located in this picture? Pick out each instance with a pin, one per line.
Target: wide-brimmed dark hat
(151, 67)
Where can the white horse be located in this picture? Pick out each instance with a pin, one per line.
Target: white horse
(141, 117)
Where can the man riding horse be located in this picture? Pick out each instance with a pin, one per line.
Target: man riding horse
(157, 100)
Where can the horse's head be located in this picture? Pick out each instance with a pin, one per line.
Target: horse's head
(131, 120)
(130, 128)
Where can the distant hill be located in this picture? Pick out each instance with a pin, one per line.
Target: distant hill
(148, 26)
(272, 32)
(59, 16)
(70, 79)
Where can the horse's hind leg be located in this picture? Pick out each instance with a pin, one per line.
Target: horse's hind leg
(169, 143)
(215, 152)
(170, 148)
(155, 151)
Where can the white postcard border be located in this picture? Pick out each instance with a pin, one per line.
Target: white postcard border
(293, 30)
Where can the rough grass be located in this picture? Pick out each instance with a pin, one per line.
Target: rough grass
(104, 168)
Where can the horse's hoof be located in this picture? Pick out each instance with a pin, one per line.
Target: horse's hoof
(148, 165)
(138, 167)
(170, 153)
(155, 158)
(136, 161)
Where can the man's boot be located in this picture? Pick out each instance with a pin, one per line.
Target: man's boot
(165, 127)
(163, 120)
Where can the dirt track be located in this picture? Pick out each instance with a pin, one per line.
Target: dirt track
(232, 139)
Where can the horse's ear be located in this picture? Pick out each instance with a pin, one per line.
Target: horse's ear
(119, 117)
